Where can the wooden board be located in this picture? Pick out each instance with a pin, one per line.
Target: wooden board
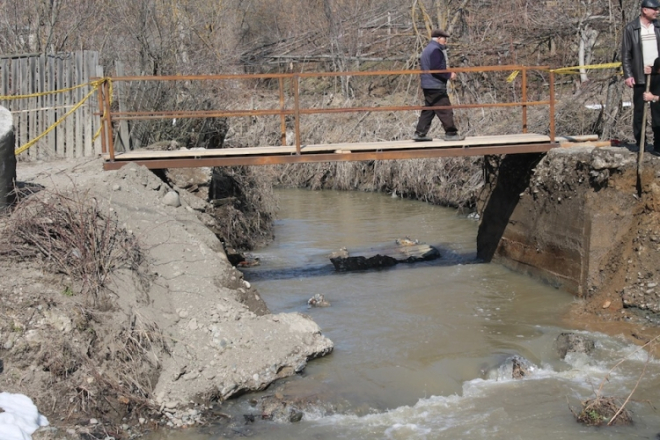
(473, 141)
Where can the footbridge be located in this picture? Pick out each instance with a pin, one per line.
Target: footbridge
(287, 107)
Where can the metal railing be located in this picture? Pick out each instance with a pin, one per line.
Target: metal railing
(108, 116)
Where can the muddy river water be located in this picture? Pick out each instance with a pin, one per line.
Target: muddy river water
(421, 350)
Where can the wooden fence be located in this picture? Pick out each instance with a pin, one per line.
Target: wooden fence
(39, 73)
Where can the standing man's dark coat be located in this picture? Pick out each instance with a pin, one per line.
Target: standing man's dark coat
(635, 68)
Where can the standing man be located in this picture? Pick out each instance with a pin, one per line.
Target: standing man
(434, 86)
(639, 48)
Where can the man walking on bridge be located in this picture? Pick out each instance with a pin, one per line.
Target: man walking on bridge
(434, 86)
(639, 48)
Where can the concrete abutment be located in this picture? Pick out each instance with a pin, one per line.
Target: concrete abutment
(570, 217)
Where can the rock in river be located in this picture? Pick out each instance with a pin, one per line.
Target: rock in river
(403, 251)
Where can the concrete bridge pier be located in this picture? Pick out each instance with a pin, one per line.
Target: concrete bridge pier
(572, 217)
(7, 159)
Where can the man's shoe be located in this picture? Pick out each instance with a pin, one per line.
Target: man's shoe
(454, 137)
(421, 138)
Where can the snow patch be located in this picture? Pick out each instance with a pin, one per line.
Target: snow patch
(20, 417)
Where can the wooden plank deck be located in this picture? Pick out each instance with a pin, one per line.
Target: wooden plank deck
(404, 149)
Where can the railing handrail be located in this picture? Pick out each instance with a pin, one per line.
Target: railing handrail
(226, 76)
(107, 115)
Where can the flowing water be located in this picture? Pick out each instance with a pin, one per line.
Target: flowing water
(422, 350)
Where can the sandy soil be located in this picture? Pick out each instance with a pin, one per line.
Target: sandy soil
(159, 342)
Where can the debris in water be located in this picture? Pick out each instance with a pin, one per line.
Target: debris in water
(603, 411)
(405, 250)
(318, 300)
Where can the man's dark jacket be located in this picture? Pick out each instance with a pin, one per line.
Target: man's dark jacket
(434, 58)
(632, 59)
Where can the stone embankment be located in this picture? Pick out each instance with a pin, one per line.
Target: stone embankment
(579, 219)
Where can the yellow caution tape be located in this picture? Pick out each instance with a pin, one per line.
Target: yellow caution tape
(95, 85)
(571, 70)
(576, 69)
(37, 95)
(513, 76)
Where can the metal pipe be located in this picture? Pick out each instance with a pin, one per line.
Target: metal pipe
(504, 68)
(524, 100)
(296, 93)
(552, 106)
(99, 91)
(119, 116)
(282, 114)
(110, 140)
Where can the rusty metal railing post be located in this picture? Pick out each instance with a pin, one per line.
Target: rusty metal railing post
(108, 120)
(282, 115)
(101, 99)
(296, 93)
(552, 106)
(524, 99)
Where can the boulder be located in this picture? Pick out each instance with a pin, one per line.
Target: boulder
(573, 343)
(403, 251)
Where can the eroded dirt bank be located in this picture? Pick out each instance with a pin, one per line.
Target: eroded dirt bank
(576, 219)
(173, 331)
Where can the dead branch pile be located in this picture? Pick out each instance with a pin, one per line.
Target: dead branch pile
(111, 371)
(243, 206)
(73, 236)
(136, 353)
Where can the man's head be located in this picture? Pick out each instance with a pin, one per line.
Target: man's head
(650, 9)
(652, 4)
(439, 33)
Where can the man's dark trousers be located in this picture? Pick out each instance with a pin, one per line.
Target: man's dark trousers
(432, 98)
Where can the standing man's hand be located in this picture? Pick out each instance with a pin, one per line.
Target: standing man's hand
(453, 75)
(630, 82)
(648, 70)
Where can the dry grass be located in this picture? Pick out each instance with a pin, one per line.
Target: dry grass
(115, 376)
(102, 366)
(72, 236)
